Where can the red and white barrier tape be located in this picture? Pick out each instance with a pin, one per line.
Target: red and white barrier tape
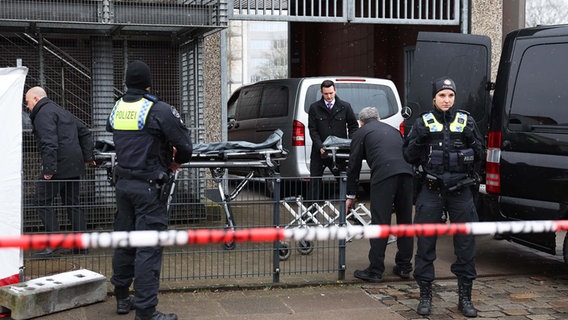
(206, 236)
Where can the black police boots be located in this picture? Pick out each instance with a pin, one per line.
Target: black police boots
(464, 304)
(425, 301)
(124, 305)
(157, 315)
(124, 300)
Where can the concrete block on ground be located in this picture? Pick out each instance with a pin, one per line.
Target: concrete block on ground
(41, 296)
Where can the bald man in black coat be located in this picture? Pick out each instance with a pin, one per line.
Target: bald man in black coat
(391, 184)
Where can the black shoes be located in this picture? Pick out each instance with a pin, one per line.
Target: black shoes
(159, 316)
(467, 309)
(368, 275)
(46, 253)
(464, 300)
(424, 307)
(123, 306)
(80, 251)
(50, 253)
(401, 272)
(425, 301)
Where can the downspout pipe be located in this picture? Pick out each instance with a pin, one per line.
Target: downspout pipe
(465, 16)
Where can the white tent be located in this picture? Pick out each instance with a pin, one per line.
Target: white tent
(11, 96)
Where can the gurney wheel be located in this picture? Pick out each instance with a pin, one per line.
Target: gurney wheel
(229, 245)
(284, 251)
(305, 247)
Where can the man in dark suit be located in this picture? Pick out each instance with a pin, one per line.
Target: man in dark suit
(391, 184)
(66, 147)
(329, 116)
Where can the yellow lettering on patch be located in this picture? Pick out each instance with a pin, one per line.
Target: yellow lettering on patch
(130, 115)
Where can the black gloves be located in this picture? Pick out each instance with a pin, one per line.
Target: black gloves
(468, 134)
(422, 134)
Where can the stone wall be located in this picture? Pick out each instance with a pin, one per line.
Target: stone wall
(212, 79)
(486, 19)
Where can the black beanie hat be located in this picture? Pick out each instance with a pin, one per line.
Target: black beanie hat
(138, 75)
(441, 84)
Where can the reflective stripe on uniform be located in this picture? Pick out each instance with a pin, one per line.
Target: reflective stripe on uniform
(459, 122)
(457, 125)
(431, 122)
(130, 115)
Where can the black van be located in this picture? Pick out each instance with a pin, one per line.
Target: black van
(525, 124)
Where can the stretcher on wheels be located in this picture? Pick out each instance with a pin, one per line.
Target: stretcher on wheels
(324, 214)
(217, 157)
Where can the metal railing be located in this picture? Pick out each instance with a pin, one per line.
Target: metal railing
(435, 12)
(116, 12)
(204, 265)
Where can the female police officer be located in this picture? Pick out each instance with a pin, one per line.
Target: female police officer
(145, 132)
(447, 145)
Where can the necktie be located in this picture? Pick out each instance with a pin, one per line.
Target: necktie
(329, 105)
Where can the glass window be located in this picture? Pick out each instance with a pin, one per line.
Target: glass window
(232, 105)
(541, 95)
(249, 103)
(274, 102)
(261, 44)
(360, 95)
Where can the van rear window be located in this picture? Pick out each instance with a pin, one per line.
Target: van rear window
(260, 102)
(360, 95)
(249, 103)
(540, 98)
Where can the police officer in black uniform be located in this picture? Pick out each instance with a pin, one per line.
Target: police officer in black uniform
(151, 143)
(447, 145)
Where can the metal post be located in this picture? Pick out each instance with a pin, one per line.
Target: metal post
(224, 85)
(276, 221)
(224, 74)
(41, 60)
(465, 17)
(350, 4)
(342, 213)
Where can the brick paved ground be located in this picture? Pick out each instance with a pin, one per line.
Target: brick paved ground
(511, 298)
(515, 297)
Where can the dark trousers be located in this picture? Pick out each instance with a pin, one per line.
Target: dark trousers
(69, 191)
(317, 168)
(395, 190)
(430, 205)
(139, 208)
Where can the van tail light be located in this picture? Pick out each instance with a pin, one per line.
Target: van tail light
(401, 128)
(493, 174)
(298, 134)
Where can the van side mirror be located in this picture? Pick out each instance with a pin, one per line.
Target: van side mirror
(406, 112)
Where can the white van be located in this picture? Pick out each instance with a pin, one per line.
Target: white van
(256, 110)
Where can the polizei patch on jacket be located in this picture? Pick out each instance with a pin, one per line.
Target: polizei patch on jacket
(176, 113)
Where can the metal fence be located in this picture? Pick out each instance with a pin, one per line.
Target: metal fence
(207, 265)
(437, 12)
(108, 13)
